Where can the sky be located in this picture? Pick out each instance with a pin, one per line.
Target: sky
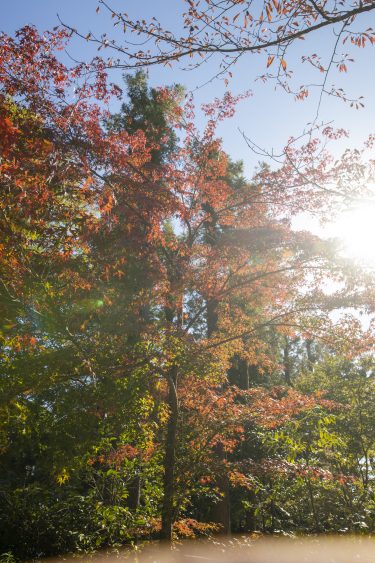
(269, 118)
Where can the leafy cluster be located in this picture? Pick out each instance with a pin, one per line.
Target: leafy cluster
(166, 364)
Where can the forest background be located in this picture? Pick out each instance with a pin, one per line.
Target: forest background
(181, 355)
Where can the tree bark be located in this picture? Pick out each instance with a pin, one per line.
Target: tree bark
(134, 491)
(287, 362)
(167, 516)
(250, 525)
(221, 511)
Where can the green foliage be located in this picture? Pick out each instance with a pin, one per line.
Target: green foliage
(84, 381)
(148, 110)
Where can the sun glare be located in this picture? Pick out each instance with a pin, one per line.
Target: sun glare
(356, 229)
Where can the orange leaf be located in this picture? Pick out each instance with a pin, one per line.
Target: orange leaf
(268, 12)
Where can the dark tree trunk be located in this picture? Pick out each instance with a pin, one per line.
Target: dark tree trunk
(309, 352)
(244, 382)
(134, 490)
(221, 511)
(168, 515)
(250, 514)
(173, 315)
(239, 373)
(212, 316)
(287, 362)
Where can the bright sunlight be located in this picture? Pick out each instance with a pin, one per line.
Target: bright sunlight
(356, 228)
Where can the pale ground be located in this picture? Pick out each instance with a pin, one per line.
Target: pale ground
(252, 550)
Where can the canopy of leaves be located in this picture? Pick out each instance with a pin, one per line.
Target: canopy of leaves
(166, 335)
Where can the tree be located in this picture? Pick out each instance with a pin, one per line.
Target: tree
(234, 29)
(63, 417)
(146, 267)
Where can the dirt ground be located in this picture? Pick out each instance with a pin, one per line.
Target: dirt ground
(243, 549)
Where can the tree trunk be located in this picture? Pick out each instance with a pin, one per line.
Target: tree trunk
(309, 352)
(134, 491)
(287, 362)
(167, 516)
(250, 525)
(244, 375)
(221, 511)
(312, 503)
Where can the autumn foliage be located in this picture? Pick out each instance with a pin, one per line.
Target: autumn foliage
(161, 318)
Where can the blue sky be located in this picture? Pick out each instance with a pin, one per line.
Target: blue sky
(269, 117)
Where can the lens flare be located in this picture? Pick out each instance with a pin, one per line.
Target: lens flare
(356, 229)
